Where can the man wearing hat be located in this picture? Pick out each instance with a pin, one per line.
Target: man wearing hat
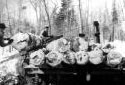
(2, 39)
(44, 32)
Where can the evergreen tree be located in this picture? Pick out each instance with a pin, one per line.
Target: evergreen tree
(65, 21)
(60, 18)
(114, 20)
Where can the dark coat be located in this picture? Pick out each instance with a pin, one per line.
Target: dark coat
(3, 44)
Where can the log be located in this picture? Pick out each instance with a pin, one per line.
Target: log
(37, 57)
(96, 56)
(82, 57)
(26, 41)
(83, 44)
(60, 45)
(114, 58)
(69, 57)
(54, 58)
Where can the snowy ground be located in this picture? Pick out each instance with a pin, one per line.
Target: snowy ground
(119, 46)
(10, 65)
(4, 52)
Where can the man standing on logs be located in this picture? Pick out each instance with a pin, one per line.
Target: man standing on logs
(2, 39)
(44, 32)
(46, 37)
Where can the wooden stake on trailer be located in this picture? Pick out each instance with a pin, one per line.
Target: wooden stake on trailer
(97, 34)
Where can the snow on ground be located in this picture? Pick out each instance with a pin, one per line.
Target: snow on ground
(4, 52)
(10, 66)
(119, 46)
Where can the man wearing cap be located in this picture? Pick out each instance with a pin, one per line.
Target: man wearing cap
(44, 32)
(46, 36)
(2, 39)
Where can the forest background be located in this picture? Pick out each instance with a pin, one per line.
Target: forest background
(67, 17)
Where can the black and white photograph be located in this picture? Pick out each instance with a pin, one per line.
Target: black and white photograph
(62, 42)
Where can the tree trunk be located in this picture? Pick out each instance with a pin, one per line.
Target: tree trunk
(37, 18)
(80, 10)
(47, 15)
(9, 18)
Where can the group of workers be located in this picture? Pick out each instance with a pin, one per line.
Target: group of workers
(44, 33)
